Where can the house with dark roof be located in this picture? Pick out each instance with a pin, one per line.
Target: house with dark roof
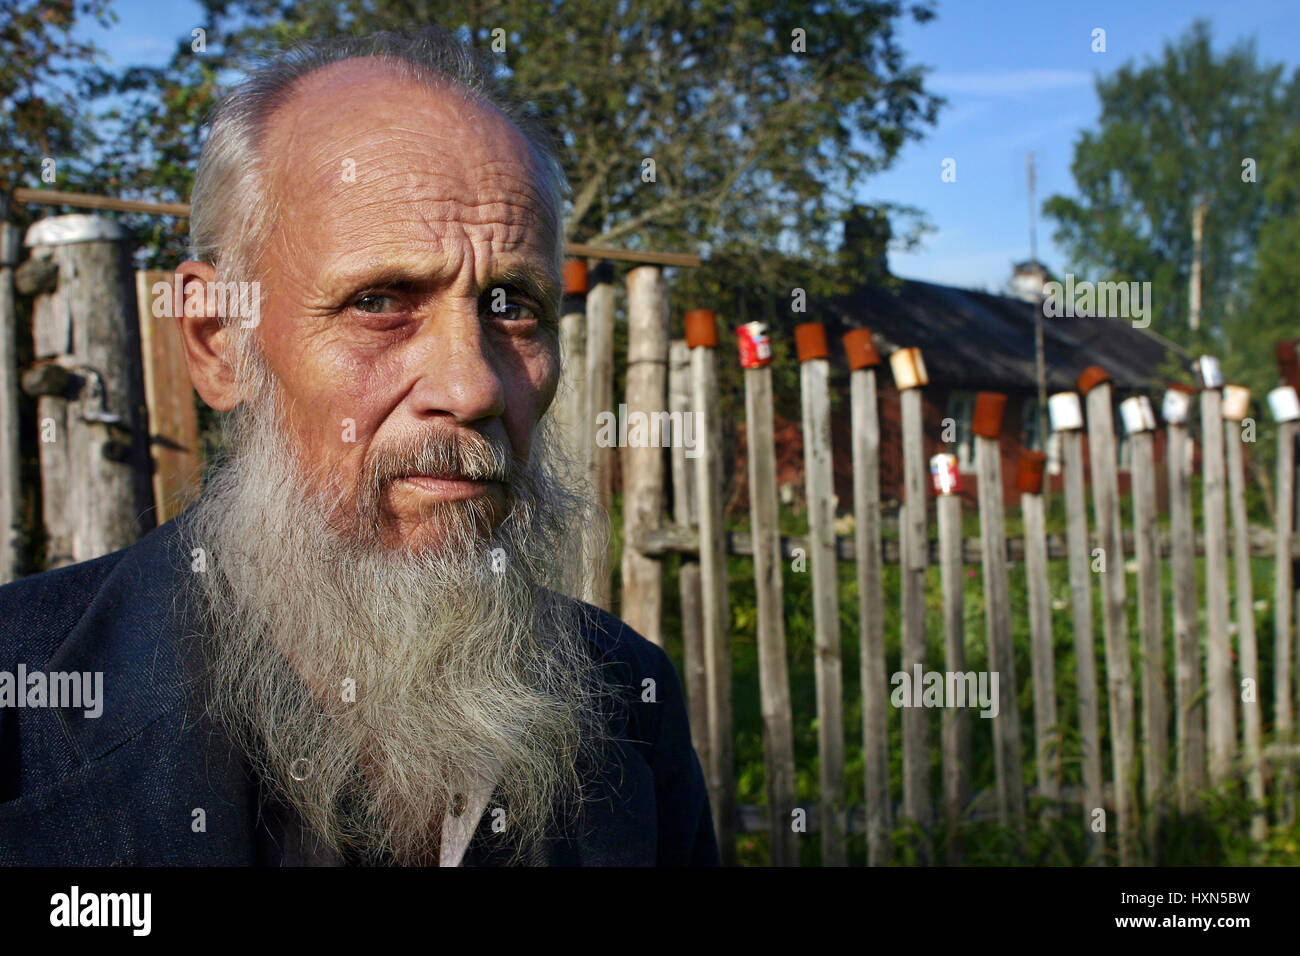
(970, 341)
(977, 341)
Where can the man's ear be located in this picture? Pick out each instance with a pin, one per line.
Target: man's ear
(207, 341)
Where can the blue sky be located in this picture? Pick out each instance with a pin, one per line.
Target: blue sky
(1018, 76)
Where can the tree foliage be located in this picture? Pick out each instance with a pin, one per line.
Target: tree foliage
(1185, 128)
(43, 112)
(760, 118)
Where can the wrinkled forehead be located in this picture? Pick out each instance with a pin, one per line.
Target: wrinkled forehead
(361, 155)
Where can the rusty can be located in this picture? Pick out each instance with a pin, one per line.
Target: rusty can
(755, 346)
(945, 479)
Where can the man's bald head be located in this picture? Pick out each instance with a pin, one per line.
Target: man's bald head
(234, 204)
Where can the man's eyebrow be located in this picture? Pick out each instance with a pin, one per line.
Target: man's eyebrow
(533, 281)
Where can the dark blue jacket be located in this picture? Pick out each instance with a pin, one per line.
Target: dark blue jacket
(122, 788)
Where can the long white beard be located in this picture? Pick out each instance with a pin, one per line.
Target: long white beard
(464, 662)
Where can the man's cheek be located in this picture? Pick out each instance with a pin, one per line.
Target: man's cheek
(544, 380)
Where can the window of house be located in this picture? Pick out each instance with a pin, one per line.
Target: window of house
(1031, 437)
(961, 409)
(1124, 447)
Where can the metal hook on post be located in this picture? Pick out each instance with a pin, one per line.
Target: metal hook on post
(98, 395)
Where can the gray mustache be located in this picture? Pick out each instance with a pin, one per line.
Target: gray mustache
(463, 455)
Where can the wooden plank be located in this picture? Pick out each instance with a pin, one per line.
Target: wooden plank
(570, 403)
(915, 485)
(1219, 678)
(1248, 649)
(1284, 525)
(773, 668)
(11, 491)
(713, 589)
(55, 197)
(1047, 733)
(814, 377)
(98, 481)
(1007, 760)
(1085, 656)
(173, 417)
(1119, 680)
(688, 572)
(1155, 696)
(670, 539)
(643, 467)
(955, 728)
(679, 260)
(871, 619)
(600, 396)
(1190, 701)
(912, 523)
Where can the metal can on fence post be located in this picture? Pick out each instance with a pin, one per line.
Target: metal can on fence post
(755, 345)
(945, 477)
(1177, 406)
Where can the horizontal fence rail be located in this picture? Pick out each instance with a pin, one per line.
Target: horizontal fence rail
(676, 539)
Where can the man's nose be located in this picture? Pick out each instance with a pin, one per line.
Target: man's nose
(458, 377)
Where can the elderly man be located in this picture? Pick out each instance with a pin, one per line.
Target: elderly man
(354, 648)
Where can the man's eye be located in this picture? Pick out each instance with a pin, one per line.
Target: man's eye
(500, 306)
(374, 302)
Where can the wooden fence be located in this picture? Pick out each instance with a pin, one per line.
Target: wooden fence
(1177, 726)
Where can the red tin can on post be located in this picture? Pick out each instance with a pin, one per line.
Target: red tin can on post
(945, 478)
(755, 345)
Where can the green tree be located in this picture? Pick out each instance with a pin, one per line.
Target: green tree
(1269, 313)
(1175, 144)
(45, 129)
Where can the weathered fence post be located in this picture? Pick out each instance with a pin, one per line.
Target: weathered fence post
(643, 463)
(600, 398)
(11, 492)
(1095, 385)
(986, 426)
(955, 731)
(1067, 420)
(685, 515)
(1222, 729)
(173, 420)
(863, 358)
(1236, 407)
(1047, 733)
(1140, 422)
(909, 377)
(1288, 364)
(702, 338)
(1190, 722)
(91, 413)
(571, 394)
(814, 378)
(1285, 406)
(774, 671)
